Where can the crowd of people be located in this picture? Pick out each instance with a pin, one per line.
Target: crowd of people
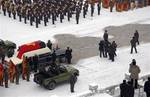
(38, 11)
(107, 48)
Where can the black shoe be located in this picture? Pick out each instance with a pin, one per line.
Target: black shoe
(72, 91)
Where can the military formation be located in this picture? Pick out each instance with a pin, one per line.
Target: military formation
(38, 12)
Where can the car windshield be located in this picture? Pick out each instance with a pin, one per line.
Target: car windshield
(62, 69)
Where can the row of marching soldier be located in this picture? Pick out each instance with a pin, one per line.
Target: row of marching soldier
(37, 11)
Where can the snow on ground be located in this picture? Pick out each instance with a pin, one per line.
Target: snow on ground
(90, 26)
(98, 70)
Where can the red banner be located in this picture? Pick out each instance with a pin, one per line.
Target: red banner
(118, 7)
(125, 6)
(105, 3)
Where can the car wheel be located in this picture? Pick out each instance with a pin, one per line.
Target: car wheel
(38, 79)
(51, 85)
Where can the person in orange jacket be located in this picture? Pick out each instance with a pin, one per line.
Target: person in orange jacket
(1, 74)
(11, 72)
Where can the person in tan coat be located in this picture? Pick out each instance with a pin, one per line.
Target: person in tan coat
(134, 71)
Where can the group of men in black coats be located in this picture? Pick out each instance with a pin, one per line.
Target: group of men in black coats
(127, 89)
(106, 48)
(42, 10)
(68, 53)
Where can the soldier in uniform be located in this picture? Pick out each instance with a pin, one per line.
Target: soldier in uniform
(45, 19)
(28, 72)
(136, 35)
(77, 14)
(17, 73)
(72, 82)
(24, 13)
(114, 46)
(24, 67)
(8, 8)
(111, 52)
(35, 62)
(98, 8)
(68, 14)
(4, 7)
(68, 54)
(101, 48)
(19, 11)
(49, 44)
(92, 9)
(37, 20)
(6, 75)
(106, 47)
(54, 57)
(31, 19)
(133, 45)
(61, 16)
(84, 11)
(14, 11)
(105, 36)
(111, 4)
(53, 17)
(86, 5)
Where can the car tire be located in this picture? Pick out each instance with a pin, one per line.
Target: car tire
(38, 79)
(51, 85)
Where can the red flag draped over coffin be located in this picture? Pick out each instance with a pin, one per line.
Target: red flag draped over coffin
(28, 47)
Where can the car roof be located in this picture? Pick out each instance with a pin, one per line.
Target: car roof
(37, 52)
